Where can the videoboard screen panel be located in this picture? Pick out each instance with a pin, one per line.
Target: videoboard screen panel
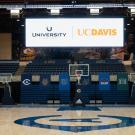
(74, 32)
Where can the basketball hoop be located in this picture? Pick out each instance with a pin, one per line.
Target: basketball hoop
(78, 70)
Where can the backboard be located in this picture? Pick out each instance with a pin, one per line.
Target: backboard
(81, 69)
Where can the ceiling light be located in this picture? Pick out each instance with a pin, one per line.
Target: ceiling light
(132, 10)
(94, 11)
(15, 13)
(131, 7)
(55, 11)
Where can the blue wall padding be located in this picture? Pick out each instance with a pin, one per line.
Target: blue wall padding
(104, 81)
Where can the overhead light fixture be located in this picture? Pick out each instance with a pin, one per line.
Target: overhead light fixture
(94, 11)
(54, 10)
(132, 10)
(73, 1)
(131, 7)
(15, 13)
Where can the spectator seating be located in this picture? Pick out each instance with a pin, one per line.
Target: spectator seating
(112, 68)
(45, 68)
(8, 67)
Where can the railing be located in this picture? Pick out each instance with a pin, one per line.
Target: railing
(5, 77)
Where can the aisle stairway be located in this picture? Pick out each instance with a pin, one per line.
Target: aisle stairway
(20, 70)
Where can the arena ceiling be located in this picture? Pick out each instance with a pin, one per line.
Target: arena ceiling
(66, 1)
(40, 8)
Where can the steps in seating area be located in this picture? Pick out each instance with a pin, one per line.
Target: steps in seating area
(20, 70)
(90, 89)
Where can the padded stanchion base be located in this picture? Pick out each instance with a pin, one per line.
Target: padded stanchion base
(7, 99)
(78, 98)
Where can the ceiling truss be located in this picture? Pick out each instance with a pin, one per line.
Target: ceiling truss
(30, 6)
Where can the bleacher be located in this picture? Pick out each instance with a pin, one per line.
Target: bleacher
(109, 65)
(55, 68)
(115, 94)
(45, 68)
(112, 68)
(50, 90)
(40, 67)
(46, 90)
(8, 66)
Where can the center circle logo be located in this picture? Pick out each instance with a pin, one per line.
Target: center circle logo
(26, 82)
(121, 122)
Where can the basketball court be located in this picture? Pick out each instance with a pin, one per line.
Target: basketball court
(67, 67)
(52, 120)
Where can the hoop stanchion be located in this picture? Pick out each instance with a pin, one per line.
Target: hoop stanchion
(6, 78)
(78, 76)
(79, 71)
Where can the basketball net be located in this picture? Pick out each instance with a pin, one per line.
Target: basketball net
(78, 76)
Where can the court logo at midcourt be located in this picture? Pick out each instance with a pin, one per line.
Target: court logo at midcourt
(100, 125)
